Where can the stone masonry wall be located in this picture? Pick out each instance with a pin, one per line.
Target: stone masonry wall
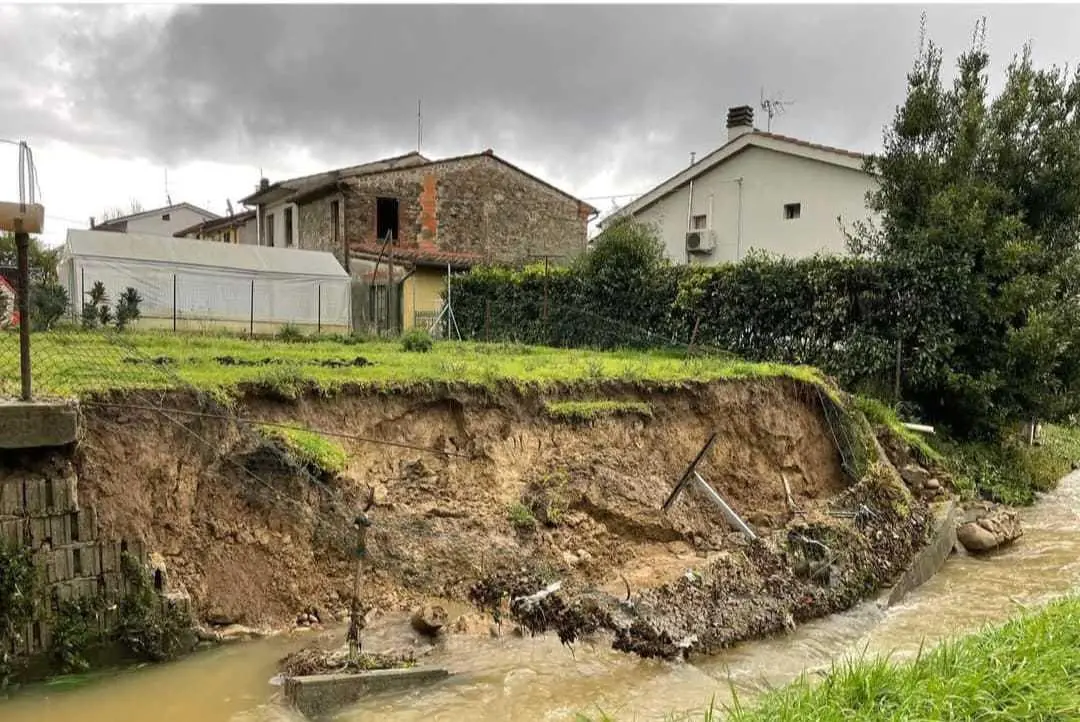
(474, 205)
(316, 227)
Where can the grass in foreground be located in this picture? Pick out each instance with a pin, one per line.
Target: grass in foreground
(75, 362)
(1027, 669)
(1023, 671)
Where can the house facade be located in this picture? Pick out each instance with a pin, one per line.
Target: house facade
(759, 191)
(241, 228)
(165, 221)
(410, 218)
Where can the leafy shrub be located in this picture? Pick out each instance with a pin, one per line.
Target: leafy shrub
(49, 301)
(417, 341)
(290, 333)
(521, 517)
(127, 308)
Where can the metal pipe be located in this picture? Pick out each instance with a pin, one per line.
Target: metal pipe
(689, 216)
(732, 518)
(174, 303)
(738, 237)
(22, 252)
(251, 321)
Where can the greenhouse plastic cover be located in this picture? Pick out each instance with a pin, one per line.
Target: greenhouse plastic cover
(213, 280)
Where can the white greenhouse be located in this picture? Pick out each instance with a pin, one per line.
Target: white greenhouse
(190, 284)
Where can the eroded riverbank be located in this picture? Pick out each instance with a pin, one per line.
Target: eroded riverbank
(537, 679)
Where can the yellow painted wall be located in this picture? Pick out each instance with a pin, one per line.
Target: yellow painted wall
(423, 292)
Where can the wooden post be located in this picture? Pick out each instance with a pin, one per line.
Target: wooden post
(356, 612)
(22, 249)
(487, 320)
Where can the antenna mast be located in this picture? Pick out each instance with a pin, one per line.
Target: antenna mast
(168, 199)
(419, 126)
(773, 107)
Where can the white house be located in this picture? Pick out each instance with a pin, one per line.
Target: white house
(159, 221)
(758, 191)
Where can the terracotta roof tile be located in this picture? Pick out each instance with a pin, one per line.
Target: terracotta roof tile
(428, 256)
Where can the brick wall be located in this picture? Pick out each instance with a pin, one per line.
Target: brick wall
(474, 205)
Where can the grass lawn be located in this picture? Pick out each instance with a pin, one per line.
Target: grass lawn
(76, 362)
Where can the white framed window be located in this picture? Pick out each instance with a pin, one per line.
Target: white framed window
(699, 223)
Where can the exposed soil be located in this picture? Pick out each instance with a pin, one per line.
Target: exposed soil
(254, 539)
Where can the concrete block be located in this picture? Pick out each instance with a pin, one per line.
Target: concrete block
(11, 498)
(34, 497)
(40, 530)
(12, 531)
(84, 525)
(318, 695)
(35, 424)
(64, 495)
(929, 559)
(60, 529)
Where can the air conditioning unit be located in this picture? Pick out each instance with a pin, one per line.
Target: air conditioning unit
(702, 241)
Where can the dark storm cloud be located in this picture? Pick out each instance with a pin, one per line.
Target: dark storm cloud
(575, 88)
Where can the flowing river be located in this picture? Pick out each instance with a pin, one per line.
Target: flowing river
(538, 679)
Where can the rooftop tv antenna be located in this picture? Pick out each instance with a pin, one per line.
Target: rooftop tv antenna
(228, 204)
(168, 198)
(773, 106)
(419, 126)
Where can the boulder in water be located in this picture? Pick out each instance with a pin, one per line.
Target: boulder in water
(985, 527)
(429, 619)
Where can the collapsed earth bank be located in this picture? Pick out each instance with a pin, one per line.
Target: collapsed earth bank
(487, 495)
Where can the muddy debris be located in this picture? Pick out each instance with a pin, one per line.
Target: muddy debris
(313, 660)
(756, 588)
(356, 361)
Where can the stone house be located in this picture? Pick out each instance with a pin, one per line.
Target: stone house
(404, 221)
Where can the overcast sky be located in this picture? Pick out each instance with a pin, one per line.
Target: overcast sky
(600, 100)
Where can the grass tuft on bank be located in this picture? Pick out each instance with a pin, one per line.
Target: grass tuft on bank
(582, 411)
(1027, 669)
(310, 448)
(75, 362)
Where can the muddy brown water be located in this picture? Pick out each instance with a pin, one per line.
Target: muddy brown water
(537, 679)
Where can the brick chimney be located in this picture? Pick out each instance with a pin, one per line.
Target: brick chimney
(264, 184)
(740, 121)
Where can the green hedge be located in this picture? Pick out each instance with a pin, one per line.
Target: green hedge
(837, 314)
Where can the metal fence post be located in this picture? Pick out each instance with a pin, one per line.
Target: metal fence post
(174, 303)
(251, 320)
(319, 327)
(22, 252)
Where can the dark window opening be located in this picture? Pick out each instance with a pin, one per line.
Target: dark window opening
(792, 211)
(165, 216)
(76, 562)
(288, 228)
(159, 580)
(123, 546)
(335, 221)
(699, 223)
(386, 218)
(268, 231)
(75, 526)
